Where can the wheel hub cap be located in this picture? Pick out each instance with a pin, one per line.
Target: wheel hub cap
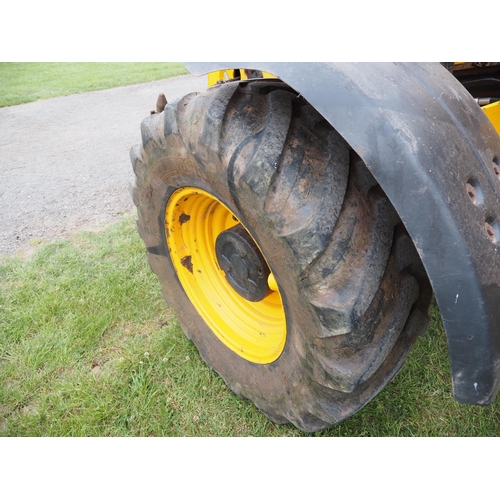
(245, 267)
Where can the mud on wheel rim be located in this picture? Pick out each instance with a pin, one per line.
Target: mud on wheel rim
(195, 224)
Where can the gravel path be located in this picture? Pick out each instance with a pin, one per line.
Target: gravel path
(64, 162)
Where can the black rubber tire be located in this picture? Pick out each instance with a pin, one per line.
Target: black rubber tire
(353, 287)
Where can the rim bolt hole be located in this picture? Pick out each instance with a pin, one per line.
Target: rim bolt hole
(471, 191)
(496, 167)
(475, 192)
(490, 231)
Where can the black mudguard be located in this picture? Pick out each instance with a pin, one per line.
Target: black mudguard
(426, 141)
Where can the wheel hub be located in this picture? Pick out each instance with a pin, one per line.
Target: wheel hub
(245, 267)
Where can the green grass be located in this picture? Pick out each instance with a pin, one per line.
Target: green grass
(89, 348)
(27, 82)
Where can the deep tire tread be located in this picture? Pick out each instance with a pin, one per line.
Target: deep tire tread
(359, 283)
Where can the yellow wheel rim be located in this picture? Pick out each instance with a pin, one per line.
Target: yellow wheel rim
(256, 331)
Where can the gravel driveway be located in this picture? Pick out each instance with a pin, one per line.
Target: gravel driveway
(64, 162)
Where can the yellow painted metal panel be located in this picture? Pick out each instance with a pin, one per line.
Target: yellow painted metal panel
(215, 76)
(493, 113)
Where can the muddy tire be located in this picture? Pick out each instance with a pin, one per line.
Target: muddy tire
(351, 294)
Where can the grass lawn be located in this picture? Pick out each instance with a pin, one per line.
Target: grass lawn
(26, 82)
(89, 348)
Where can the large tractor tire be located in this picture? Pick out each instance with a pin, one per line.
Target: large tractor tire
(283, 259)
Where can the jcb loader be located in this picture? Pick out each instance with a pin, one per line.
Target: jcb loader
(300, 217)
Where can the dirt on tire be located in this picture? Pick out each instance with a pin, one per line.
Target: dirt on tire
(65, 162)
(354, 292)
